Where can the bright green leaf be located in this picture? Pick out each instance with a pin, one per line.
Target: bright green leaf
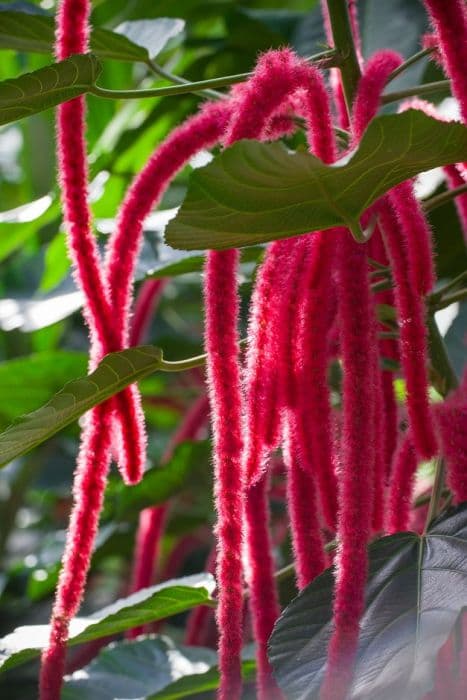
(114, 373)
(255, 192)
(148, 605)
(47, 87)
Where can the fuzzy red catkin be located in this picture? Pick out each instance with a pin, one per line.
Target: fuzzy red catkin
(222, 346)
(145, 304)
(307, 540)
(451, 419)
(401, 486)
(264, 605)
(449, 18)
(455, 179)
(88, 492)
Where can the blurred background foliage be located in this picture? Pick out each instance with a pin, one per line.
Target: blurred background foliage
(43, 342)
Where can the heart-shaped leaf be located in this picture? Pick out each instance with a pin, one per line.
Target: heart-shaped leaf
(47, 87)
(416, 590)
(153, 667)
(114, 373)
(255, 192)
(143, 607)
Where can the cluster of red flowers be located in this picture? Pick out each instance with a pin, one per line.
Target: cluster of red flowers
(349, 472)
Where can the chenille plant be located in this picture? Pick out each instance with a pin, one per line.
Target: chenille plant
(330, 508)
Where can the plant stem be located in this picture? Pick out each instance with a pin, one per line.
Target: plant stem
(451, 299)
(440, 199)
(452, 284)
(325, 59)
(448, 382)
(410, 62)
(189, 363)
(426, 89)
(344, 43)
(158, 70)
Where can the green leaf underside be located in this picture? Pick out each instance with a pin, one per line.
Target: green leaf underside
(153, 667)
(114, 373)
(416, 590)
(254, 192)
(148, 605)
(24, 31)
(47, 87)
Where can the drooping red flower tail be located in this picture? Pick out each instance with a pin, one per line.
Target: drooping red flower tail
(222, 346)
(451, 418)
(203, 130)
(152, 520)
(264, 605)
(455, 179)
(88, 492)
(412, 335)
(450, 22)
(401, 486)
(145, 304)
(307, 541)
(358, 350)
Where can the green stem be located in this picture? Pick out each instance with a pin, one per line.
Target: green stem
(325, 59)
(189, 363)
(171, 77)
(410, 62)
(427, 89)
(440, 199)
(451, 299)
(452, 284)
(344, 43)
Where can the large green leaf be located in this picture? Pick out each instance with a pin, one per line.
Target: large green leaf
(154, 668)
(115, 372)
(47, 87)
(255, 192)
(132, 41)
(416, 590)
(28, 382)
(148, 605)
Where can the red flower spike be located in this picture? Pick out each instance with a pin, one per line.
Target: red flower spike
(401, 487)
(307, 541)
(264, 604)
(145, 305)
(455, 179)
(222, 311)
(412, 331)
(88, 492)
(390, 419)
(451, 418)
(449, 19)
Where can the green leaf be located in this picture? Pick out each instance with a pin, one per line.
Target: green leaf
(148, 605)
(114, 373)
(161, 482)
(40, 310)
(131, 41)
(28, 382)
(255, 192)
(19, 224)
(154, 668)
(415, 592)
(47, 87)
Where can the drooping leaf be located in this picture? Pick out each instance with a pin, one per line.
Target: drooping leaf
(18, 225)
(160, 483)
(154, 668)
(145, 606)
(41, 310)
(114, 373)
(255, 192)
(28, 382)
(47, 87)
(416, 590)
(131, 41)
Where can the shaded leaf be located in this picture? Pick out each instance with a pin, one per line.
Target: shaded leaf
(416, 590)
(33, 313)
(19, 224)
(148, 605)
(151, 34)
(154, 668)
(114, 373)
(255, 192)
(28, 382)
(47, 87)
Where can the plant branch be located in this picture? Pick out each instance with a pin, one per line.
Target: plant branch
(344, 43)
(324, 59)
(449, 299)
(452, 284)
(410, 62)
(440, 199)
(178, 80)
(427, 89)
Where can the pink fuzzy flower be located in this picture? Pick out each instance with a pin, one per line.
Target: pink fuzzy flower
(450, 22)
(88, 492)
(451, 418)
(401, 486)
(455, 179)
(307, 540)
(264, 604)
